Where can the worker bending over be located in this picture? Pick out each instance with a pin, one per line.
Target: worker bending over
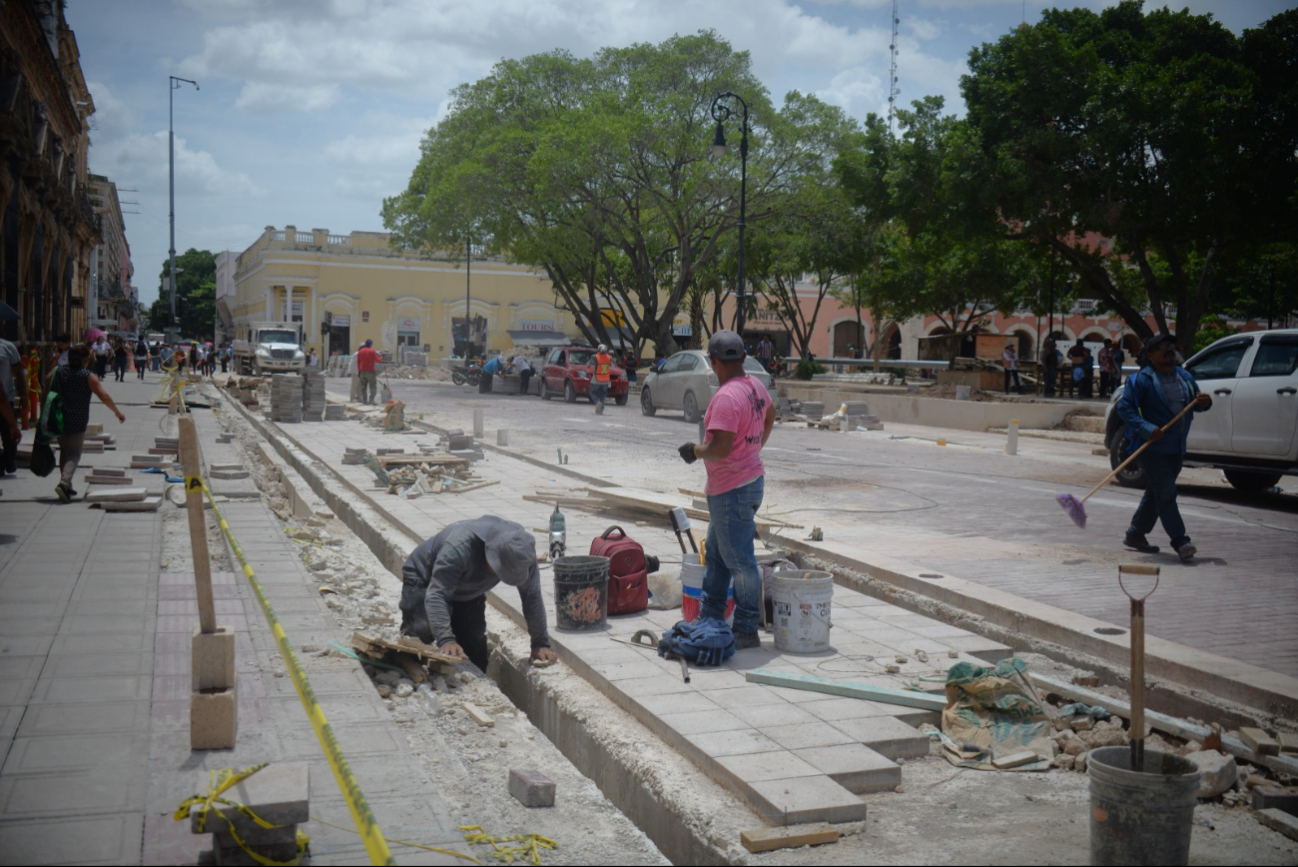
(445, 580)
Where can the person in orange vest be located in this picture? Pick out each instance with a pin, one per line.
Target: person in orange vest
(32, 406)
(599, 385)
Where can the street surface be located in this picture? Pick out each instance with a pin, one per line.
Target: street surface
(965, 509)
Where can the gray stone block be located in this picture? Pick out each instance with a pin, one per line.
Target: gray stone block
(531, 788)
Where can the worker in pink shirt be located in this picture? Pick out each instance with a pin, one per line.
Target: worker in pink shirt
(738, 422)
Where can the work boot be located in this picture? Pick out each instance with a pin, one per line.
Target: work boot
(64, 494)
(1186, 552)
(745, 640)
(1140, 543)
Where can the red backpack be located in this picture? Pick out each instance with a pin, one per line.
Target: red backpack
(628, 573)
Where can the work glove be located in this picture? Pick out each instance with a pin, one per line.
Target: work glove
(687, 453)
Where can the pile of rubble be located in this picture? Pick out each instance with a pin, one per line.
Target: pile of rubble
(851, 415)
(411, 371)
(430, 471)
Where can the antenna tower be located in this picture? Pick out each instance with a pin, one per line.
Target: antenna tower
(892, 67)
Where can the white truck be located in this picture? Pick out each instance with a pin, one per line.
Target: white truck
(263, 348)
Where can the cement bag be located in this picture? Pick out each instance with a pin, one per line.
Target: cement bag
(664, 590)
(991, 711)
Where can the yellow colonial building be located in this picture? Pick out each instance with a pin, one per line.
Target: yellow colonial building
(345, 289)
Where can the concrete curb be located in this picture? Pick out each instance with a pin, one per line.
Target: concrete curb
(1271, 693)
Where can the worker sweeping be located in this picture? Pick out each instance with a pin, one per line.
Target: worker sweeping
(738, 423)
(1150, 400)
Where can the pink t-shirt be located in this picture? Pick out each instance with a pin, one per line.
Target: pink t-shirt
(739, 406)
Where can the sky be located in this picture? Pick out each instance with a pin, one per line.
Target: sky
(310, 112)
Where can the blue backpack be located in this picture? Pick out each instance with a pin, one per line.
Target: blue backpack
(703, 642)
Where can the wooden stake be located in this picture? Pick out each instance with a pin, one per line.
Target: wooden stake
(189, 461)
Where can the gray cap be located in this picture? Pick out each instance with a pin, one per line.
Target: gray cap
(727, 346)
(510, 549)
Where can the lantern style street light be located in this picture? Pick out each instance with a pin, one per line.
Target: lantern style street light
(721, 113)
(173, 84)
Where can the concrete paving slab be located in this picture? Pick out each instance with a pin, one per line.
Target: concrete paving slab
(886, 735)
(855, 767)
(105, 839)
(799, 800)
(759, 767)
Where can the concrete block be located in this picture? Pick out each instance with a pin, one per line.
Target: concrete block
(805, 799)
(1259, 742)
(148, 504)
(214, 719)
(253, 836)
(233, 854)
(1278, 821)
(887, 736)
(855, 767)
(531, 788)
(1274, 797)
(279, 793)
(117, 495)
(212, 661)
(1218, 772)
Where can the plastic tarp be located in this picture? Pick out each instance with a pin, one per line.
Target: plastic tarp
(990, 712)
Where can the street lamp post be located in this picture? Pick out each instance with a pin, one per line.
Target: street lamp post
(173, 84)
(468, 277)
(721, 113)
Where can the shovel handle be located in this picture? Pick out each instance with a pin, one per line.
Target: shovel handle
(1122, 466)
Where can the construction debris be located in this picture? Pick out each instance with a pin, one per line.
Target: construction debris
(791, 837)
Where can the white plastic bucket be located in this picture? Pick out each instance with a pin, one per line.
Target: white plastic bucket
(803, 600)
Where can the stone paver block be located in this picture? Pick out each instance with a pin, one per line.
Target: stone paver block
(799, 800)
(742, 742)
(676, 702)
(706, 721)
(531, 788)
(68, 752)
(87, 689)
(855, 767)
(802, 735)
(278, 793)
(108, 716)
(756, 767)
(214, 719)
(113, 838)
(886, 735)
(212, 658)
(772, 713)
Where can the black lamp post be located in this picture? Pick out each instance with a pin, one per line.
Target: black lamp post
(721, 113)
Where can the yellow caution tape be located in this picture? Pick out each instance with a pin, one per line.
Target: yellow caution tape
(202, 805)
(366, 825)
(194, 483)
(530, 851)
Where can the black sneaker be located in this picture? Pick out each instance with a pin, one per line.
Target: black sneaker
(64, 494)
(1186, 552)
(1140, 543)
(745, 640)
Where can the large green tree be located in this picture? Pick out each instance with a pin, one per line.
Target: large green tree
(1156, 141)
(596, 171)
(195, 294)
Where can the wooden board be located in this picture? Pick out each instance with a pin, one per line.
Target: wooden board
(413, 646)
(479, 716)
(406, 460)
(768, 839)
(847, 688)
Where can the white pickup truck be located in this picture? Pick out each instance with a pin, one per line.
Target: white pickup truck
(1251, 432)
(268, 347)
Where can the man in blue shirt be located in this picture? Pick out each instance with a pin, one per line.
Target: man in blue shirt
(489, 371)
(1150, 400)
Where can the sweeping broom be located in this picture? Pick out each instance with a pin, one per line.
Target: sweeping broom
(1075, 508)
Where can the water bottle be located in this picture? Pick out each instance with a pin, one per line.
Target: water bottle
(428, 699)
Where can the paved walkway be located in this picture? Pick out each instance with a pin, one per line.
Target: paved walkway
(94, 679)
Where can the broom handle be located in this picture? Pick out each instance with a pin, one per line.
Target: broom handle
(1189, 406)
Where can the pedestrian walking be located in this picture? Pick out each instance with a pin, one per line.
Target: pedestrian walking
(738, 423)
(366, 370)
(155, 356)
(603, 376)
(766, 352)
(1152, 398)
(141, 358)
(1107, 372)
(630, 365)
(225, 358)
(1010, 358)
(75, 383)
(121, 356)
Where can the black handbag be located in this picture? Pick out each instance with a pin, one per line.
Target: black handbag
(42, 463)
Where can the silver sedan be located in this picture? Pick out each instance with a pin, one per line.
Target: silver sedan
(686, 382)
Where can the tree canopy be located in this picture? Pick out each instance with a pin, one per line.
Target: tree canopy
(195, 294)
(597, 172)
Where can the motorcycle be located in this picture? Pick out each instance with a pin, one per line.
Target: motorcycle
(466, 375)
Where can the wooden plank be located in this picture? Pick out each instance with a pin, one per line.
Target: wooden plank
(406, 645)
(408, 460)
(479, 716)
(460, 489)
(1278, 821)
(1164, 723)
(413, 670)
(848, 688)
(189, 459)
(1260, 742)
(769, 839)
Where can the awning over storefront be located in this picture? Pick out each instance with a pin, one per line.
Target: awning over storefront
(539, 338)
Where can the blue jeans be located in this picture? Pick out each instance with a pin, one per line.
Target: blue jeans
(732, 526)
(599, 392)
(1159, 501)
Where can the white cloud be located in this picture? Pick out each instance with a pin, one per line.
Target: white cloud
(265, 98)
(141, 159)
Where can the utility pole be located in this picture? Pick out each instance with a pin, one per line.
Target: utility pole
(173, 84)
(892, 67)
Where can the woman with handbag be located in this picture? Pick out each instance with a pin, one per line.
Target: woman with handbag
(74, 384)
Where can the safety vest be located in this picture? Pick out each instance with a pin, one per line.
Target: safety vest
(602, 365)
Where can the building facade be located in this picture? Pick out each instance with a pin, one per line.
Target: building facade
(113, 305)
(345, 289)
(48, 227)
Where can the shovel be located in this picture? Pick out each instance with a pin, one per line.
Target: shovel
(1137, 659)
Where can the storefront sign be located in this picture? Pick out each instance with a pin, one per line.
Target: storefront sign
(408, 324)
(682, 331)
(342, 321)
(536, 325)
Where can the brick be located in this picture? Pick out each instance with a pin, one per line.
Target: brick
(213, 719)
(531, 788)
(279, 793)
(1274, 797)
(212, 660)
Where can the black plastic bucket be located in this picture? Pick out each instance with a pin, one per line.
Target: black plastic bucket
(581, 593)
(1141, 818)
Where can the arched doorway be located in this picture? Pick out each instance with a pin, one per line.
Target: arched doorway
(892, 342)
(848, 339)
